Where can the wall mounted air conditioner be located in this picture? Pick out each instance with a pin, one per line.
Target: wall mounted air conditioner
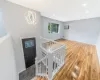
(66, 27)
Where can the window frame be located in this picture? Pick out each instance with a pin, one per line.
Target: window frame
(49, 30)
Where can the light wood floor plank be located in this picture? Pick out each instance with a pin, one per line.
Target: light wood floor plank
(82, 55)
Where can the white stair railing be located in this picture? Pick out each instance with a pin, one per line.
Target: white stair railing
(53, 59)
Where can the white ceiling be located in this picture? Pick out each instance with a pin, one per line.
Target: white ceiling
(64, 10)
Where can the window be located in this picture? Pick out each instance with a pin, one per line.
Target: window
(53, 28)
(29, 43)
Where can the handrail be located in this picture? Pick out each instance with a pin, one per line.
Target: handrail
(42, 59)
(43, 48)
(51, 40)
(53, 59)
(58, 49)
(62, 45)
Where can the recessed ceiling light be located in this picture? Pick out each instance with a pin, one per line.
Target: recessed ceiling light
(84, 5)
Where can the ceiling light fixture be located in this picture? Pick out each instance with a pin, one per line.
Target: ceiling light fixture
(30, 17)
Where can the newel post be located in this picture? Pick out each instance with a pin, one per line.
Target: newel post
(50, 66)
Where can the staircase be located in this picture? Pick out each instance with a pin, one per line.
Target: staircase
(52, 60)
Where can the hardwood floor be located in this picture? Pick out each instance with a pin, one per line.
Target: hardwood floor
(81, 62)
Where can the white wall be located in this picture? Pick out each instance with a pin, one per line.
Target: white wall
(2, 30)
(98, 47)
(48, 35)
(17, 26)
(83, 30)
(7, 60)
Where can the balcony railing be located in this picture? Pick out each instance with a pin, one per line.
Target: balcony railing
(53, 59)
